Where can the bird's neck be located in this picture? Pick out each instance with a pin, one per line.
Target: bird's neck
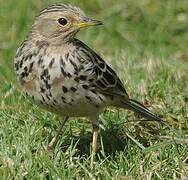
(54, 39)
(39, 46)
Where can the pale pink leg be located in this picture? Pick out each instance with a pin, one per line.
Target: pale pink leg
(54, 141)
(95, 137)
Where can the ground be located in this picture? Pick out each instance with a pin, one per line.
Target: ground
(146, 43)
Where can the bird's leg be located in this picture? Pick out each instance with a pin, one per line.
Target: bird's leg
(54, 141)
(95, 129)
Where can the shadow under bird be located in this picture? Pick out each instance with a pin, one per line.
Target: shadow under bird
(62, 74)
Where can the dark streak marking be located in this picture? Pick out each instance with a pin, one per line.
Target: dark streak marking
(64, 101)
(63, 98)
(102, 65)
(80, 59)
(42, 102)
(30, 67)
(42, 90)
(109, 77)
(74, 65)
(48, 97)
(16, 66)
(89, 69)
(93, 91)
(25, 69)
(76, 73)
(55, 101)
(40, 61)
(62, 61)
(69, 75)
(97, 71)
(101, 98)
(23, 74)
(65, 90)
(101, 84)
(45, 72)
(63, 72)
(91, 80)
(21, 63)
(76, 79)
(67, 56)
(81, 68)
(85, 86)
(48, 86)
(87, 97)
(51, 62)
(30, 56)
(83, 78)
(43, 99)
(73, 89)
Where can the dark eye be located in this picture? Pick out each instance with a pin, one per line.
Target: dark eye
(62, 21)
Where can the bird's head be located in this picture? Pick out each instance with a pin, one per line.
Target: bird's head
(62, 22)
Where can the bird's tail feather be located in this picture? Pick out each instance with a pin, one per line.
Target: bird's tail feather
(141, 110)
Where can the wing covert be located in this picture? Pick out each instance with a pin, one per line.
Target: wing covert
(105, 79)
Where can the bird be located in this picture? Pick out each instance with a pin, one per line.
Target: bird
(60, 73)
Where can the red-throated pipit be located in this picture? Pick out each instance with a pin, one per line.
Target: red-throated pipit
(64, 75)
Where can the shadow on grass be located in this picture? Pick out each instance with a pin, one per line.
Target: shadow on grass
(113, 139)
(112, 142)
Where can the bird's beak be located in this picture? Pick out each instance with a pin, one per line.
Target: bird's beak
(89, 22)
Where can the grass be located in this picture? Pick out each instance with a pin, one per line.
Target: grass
(146, 43)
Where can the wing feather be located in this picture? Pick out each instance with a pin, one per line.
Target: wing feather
(105, 79)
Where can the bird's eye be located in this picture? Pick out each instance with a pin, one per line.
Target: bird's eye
(62, 21)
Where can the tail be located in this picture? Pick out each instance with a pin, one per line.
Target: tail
(141, 110)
